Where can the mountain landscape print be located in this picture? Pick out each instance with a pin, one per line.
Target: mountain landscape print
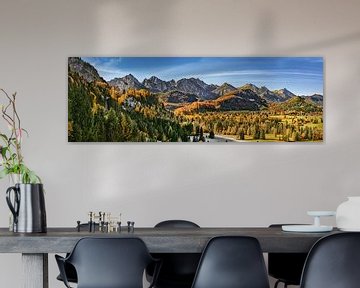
(195, 99)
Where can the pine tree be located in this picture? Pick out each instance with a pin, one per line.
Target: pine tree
(79, 112)
(112, 126)
(262, 134)
(242, 135)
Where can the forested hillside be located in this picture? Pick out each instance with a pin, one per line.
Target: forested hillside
(136, 116)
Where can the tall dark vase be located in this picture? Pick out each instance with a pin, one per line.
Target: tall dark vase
(27, 204)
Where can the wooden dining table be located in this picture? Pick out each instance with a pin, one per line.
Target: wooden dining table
(35, 247)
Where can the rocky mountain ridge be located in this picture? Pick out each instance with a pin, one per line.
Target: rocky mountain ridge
(189, 89)
(156, 85)
(126, 82)
(84, 69)
(204, 91)
(224, 89)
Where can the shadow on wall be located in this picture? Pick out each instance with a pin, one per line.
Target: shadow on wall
(326, 43)
(265, 35)
(265, 31)
(122, 35)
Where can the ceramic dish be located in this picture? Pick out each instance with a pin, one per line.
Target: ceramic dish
(306, 228)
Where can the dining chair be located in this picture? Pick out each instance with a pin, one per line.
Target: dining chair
(178, 269)
(108, 263)
(285, 267)
(232, 262)
(70, 271)
(333, 262)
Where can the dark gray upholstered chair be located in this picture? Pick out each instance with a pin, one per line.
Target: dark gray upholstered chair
(232, 262)
(286, 267)
(108, 263)
(333, 262)
(176, 224)
(69, 269)
(178, 269)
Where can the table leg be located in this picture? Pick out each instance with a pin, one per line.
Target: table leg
(35, 270)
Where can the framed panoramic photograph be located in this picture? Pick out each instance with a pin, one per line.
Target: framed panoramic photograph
(195, 99)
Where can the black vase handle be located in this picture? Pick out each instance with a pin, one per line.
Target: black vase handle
(13, 208)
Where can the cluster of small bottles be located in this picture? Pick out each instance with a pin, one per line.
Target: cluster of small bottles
(105, 222)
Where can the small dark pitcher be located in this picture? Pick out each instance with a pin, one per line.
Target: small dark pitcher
(28, 207)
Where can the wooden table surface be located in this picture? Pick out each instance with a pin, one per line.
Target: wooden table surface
(35, 247)
(158, 240)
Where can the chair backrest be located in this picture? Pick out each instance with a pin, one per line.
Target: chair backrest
(286, 267)
(176, 224)
(178, 269)
(232, 262)
(333, 262)
(110, 262)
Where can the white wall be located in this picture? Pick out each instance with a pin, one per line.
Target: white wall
(218, 185)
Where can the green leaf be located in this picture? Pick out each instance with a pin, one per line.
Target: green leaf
(33, 178)
(27, 175)
(13, 156)
(4, 137)
(3, 173)
(26, 132)
(3, 151)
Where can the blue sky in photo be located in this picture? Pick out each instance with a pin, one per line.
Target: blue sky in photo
(300, 75)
